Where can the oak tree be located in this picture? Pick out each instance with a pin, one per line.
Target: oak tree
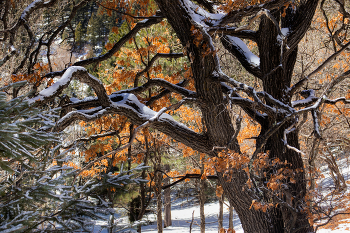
(267, 187)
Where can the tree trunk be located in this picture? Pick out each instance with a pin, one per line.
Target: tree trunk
(202, 201)
(221, 212)
(167, 200)
(158, 193)
(230, 217)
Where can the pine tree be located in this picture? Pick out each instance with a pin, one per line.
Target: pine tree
(37, 188)
(79, 35)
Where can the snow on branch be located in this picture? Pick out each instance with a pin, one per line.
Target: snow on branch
(239, 49)
(123, 103)
(37, 4)
(309, 96)
(73, 72)
(250, 57)
(250, 91)
(200, 16)
(152, 117)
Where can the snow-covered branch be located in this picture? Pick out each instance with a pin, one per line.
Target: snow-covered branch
(239, 49)
(34, 6)
(123, 103)
(250, 91)
(73, 72)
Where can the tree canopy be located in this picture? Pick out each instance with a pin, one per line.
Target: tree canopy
(206, 74)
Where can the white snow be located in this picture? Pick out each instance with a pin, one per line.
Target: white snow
(285, 32)
(201, 16)
(66, 77)
(251, 57)
(29, 8)
(144, 111)
(182, 217)
(64, 80)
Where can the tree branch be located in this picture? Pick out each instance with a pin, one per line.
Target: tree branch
(188, 176)
(299, 84)
(238, 48)
(73, 72)
(155, 58)
(237, 15)
(160, 82)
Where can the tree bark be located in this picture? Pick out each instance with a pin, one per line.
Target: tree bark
(230, 217)
(158, 193)
(221, 212)
(202, 198)
(167, 200)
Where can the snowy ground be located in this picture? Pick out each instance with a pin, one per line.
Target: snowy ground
(182, 210)
(181, 215)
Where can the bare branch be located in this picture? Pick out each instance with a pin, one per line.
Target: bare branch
(188, 176)
(124, 13)
(92, 137)
(238, 15)
(160, 82)
(116, 47)
(232, 31)
(155, 58)
(299, 84)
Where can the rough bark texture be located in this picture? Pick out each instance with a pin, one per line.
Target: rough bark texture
(202, 199)
(230, 217)
(158, 193)
(221, 212)
(167, 200)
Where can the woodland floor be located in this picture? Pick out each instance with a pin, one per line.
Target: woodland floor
(182, 209)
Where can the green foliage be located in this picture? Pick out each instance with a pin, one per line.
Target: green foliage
(37, 192)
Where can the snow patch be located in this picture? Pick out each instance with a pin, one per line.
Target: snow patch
(67, 76)
(250, 57)
(201, 16)
(126, 100)
(285, 32)
(29, 8)
(64, 80)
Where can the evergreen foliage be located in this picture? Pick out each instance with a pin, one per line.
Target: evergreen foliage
(37, 192)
